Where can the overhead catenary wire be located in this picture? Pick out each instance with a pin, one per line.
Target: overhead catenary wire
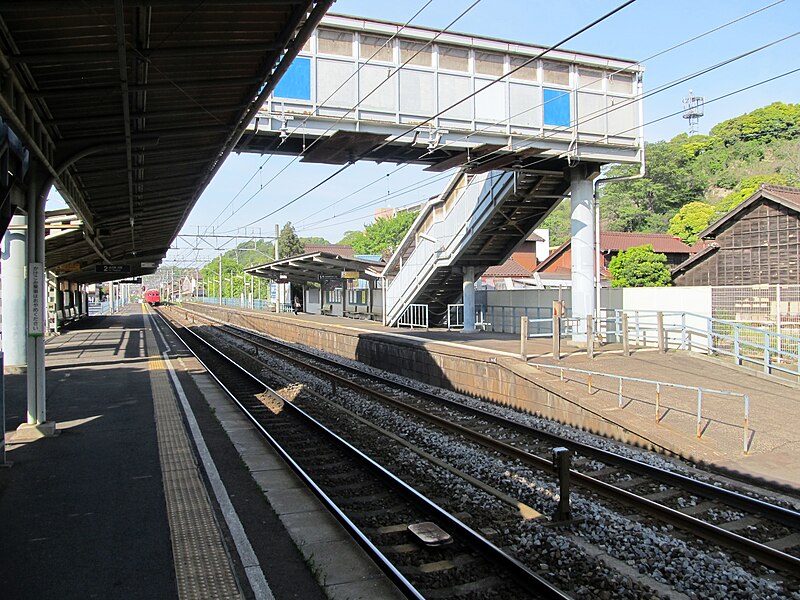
(586, 85)
(353, 108)
(590, 83)
(679, 112)
(649, 93)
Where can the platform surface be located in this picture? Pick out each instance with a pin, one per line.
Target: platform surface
(119, 504)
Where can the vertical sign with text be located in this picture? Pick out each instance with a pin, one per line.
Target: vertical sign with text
(36, 300)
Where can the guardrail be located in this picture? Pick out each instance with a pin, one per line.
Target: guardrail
(684, 331)
(455, 317)
(415, 315)
(658, 385)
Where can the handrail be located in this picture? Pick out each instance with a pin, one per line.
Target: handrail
(695, 332)
(442, 242)
(700, 391)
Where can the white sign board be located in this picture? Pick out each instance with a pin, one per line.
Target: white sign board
(37, 307)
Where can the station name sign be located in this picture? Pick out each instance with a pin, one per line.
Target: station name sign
(36, 300)
(350, 274)
(112, 268)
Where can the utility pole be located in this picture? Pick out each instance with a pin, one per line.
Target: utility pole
(220, 279)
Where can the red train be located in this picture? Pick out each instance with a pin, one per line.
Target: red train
(152, 297)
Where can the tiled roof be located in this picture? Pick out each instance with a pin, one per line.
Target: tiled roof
(622, 240)
(340, 249)
(790, 195)
(510, 268)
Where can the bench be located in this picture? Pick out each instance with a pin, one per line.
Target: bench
(67, 315)
(327, 309)
(360, 312)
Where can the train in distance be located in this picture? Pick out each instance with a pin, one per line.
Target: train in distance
(152, 297)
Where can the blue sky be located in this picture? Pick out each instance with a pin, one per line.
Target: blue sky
(637, 32)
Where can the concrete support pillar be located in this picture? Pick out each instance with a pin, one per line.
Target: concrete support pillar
(36, 197)
(582, 249)
(468, 294)
(14, 251)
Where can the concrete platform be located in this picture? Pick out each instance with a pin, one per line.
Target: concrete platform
(488, 365)
(143, 493)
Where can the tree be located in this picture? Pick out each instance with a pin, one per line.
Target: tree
(640, 266)
(288, 242)
(746, 188)
(691, 219)
(776, 121)
(350, 237)
(314, 240)
(383, 233)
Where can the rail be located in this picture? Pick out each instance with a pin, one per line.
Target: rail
(658, 385)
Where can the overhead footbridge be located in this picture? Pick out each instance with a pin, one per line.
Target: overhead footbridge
(526, 126)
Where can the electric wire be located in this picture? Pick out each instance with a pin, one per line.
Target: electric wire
(672, 84)
(586, 85)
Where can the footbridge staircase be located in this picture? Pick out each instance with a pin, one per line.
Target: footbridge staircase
(476, 222)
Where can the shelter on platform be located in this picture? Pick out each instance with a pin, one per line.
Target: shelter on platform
(758, 242)
(330, 283)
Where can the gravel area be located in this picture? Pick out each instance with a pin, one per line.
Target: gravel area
(584, 557)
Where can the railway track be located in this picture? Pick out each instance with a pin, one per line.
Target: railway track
(449, 560)
(746, 525)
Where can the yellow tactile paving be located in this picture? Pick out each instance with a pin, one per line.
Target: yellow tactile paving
(202, 566)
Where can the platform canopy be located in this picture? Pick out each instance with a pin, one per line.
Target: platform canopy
(315, 267)
(131, 107)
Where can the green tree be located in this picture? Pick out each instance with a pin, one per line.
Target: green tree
(640, 266)
(350, 237)
(558, 222)
(776, 121)
(691, 219)
(646, 204)
(746, 188)
(314, 240)
(288, 242)
(383, 234)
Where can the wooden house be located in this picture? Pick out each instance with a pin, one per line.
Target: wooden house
(758, 242)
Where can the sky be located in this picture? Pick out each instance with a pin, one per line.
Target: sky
(637, 32)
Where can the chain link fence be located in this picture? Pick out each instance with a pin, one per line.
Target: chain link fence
(775, 308)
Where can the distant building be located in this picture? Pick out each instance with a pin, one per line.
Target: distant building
(758, 242)
(516, 272)
(556, 269)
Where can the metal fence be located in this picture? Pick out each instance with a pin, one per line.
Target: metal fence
(416, 315)
(758, 308)
(657, 398)
(768, 350)
(506, 319)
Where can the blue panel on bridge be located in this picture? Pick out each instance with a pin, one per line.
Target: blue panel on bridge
(296, 82)
(556, 108)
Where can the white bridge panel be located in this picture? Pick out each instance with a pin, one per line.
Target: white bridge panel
(353, 70)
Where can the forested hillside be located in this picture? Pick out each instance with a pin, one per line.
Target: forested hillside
(700, 176)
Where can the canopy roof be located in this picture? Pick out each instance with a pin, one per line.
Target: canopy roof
(132, 106)
(314, 267)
